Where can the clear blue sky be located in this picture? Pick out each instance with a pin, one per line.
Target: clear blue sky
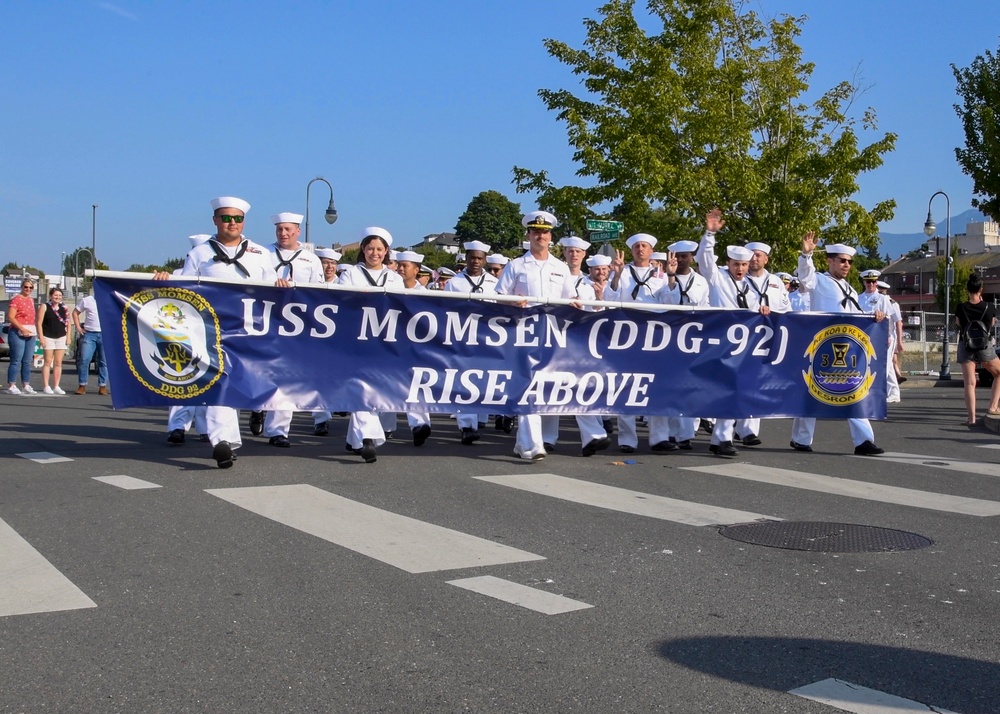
(149, 109)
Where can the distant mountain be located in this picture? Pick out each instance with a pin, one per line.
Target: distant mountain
(897, 244)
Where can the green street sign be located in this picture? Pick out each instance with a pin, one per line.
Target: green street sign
(615, 226)
(604, 236)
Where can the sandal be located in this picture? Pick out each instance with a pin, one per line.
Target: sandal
(993, 412)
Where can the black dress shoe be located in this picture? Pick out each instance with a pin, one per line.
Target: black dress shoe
(626, 449)
(800, 447)
(256, 423)
(549, 448)
(867, 448)
(595, 445)
(367, 451)
(665, 446)
(420, 434)
(726, 448)
(321, 429)
(352, 449)
(279, 440)
(223, 455)
(507, 424)
(203, 437)
(751, 440)
(469, 436)
(684, 445)
(706, 426)
(176, 437)
(609, 426)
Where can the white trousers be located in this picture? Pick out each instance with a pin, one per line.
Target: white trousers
(277, 421)
(803, 429)
(223, 425)
(536, 430)
(723, 431)
(683, 428)
(746, 427)
(471, 421)
(183, 417)
(365, 425)
(659, 430)
(891, 381)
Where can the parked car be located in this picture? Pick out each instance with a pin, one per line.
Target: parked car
(4, 347)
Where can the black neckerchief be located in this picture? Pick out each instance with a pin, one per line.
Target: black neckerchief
(639, 283)
(684, 288)
(371, 281)
(761, 294)
(850, 297)
(576, 287)
(222, 257)
(282, 262)
(476, 287)
(741, 297)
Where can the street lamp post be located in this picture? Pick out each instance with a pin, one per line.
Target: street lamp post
(331, 211)
(93, 231)
(929, 228)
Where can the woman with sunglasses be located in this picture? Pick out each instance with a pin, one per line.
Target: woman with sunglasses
(21, 336)
(365, 432)
(53, 330)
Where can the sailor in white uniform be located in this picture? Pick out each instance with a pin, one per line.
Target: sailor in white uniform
(228, 254)
(771, 291)
(683, 286)
(295, 263)
(895, 317)
(638, 282)
(830, 292)
(365, 433)
(329, 258)
(475, 280)
(182, 417)
(728, 288)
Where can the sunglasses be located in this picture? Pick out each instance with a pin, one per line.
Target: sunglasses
(226, 218)
(845, 260)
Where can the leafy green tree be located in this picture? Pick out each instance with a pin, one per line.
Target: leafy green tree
(958, 293)
(169, 266)
(70, 262)
(709, 112)
(492, 218)
(979, 87)
(15, 269)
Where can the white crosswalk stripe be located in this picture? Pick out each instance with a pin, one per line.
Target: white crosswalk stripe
(624, 500)
(29, 583)
(129, 483)
(963, 465)
(854, 489)
(849, 697)
(522, 595)
(406, 543)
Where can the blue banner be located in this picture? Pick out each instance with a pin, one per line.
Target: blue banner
(186, 341)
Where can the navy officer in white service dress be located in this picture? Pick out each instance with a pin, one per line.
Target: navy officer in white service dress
(539, 275)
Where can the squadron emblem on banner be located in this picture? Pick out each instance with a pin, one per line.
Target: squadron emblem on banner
(172, 341)
(840, 360)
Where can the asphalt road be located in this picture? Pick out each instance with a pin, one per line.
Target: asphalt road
(302, 580)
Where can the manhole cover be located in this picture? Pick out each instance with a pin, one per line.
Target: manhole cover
(825, 537)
